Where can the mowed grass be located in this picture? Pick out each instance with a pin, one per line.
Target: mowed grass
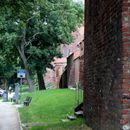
(50, 107)
(72, 125)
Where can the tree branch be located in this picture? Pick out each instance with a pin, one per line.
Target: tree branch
(33, 38)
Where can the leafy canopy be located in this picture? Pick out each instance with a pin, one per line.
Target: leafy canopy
(40, 26)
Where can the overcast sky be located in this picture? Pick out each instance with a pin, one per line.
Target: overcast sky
(79, 0)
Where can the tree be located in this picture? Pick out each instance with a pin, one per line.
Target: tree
(15, 15)
(37, 37)
(60, 18)
(8, 61)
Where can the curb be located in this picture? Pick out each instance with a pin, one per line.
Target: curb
(20, 124)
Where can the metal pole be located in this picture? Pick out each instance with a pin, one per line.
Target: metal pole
(21, 82)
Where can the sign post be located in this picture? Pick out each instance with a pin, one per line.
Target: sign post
(20, 74)
(17, 89)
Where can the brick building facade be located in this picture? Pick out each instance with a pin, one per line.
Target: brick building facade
(54, 76)
(107, 64)
(73, 69)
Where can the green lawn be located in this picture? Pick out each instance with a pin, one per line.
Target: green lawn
(50, 107)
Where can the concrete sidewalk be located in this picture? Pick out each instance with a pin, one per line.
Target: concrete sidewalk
(9, 117)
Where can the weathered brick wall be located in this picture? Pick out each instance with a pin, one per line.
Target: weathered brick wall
(103, 101)
(63, 80)
(74, 74)
(73, 70)
(126, 62)
(70, 70)
(81, 74)
(76, 63)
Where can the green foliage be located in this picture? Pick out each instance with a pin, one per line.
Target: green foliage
(38, 27)
(55, 21)
(8, 57)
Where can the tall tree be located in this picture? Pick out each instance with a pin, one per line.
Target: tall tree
(59, 18)
(37, 28)
(8, 61)
(15, 15)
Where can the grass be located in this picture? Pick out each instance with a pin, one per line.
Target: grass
(72, 125)
(50, 107)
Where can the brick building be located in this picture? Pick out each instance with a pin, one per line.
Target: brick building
(107, 64)
(54, 76)
(73, 68)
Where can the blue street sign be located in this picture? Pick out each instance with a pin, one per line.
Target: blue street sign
(21, 73)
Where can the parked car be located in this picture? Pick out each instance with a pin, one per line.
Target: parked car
(1, 92)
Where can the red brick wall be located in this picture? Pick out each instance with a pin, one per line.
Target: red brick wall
(106, 64)
(81, 74)
(126, 62)
(70, 73)
(59, 69)
(63, 80)
(73, 70)
(49, 77)
(76, 63)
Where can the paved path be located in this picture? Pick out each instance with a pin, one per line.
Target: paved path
(9, 117)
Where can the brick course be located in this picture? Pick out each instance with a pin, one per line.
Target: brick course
(126, 62)
(107, 64)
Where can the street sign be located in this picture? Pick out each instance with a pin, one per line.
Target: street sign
(21, 73)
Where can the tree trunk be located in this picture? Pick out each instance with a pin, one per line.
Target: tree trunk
(24, 59)
(41, 82)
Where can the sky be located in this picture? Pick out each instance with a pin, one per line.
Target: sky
(79, 0)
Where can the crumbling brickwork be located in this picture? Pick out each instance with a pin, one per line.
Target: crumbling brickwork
(107, 64)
